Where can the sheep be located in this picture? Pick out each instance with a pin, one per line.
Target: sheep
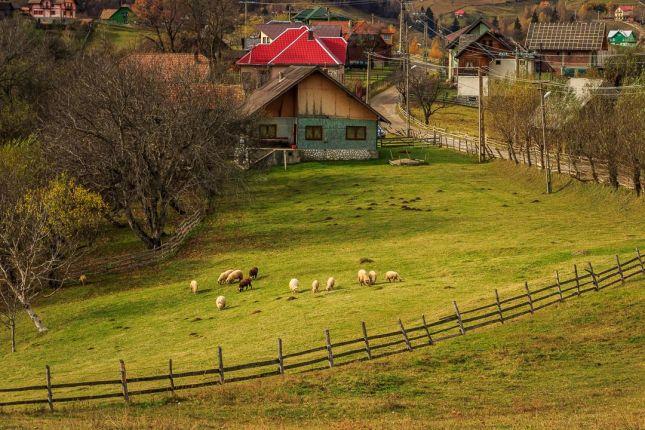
(235, 275)
(220, 302)
(193, 286)
(253, 273)
(223, 276)
(244, 284)
(293, 285)
(314, 286)
(82, 279)
(331, 282)
(372, 276)
(363, 278)
(392, 276)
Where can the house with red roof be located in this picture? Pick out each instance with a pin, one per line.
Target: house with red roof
(459, 13)
(624, 13)
(293, 47)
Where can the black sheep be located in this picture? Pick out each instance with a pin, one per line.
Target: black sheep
(244, 284)
(253, 273)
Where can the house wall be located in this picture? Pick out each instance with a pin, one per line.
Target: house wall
(556, 60)
(468, 86)
(317, 96)
(122, 16)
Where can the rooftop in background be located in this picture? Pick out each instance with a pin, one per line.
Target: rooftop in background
(273, 29)
(453, 38)
(319, 13)
(574, 36)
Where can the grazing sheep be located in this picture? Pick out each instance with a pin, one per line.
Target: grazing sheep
(392, 276)
(223, 276)
(244, 284)
(193, 286)
(372, 276)
(82, 279)
(293, 285)
(331, 282)
(220, 302)
(314, 286)
(253, 273)
(235, 275)
(363, 277)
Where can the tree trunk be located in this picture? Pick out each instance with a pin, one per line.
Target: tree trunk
(612, 170)
(32, 315)
(136, 228)
(528, 152)
(557, 160)
(594, 174)
(636, 178)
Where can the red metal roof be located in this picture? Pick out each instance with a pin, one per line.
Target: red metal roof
(298, 46)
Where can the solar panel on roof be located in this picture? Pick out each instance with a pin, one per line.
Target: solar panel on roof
(578, 36)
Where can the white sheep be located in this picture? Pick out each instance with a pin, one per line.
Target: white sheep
(372, 276)
(193, 286)
(235, 275)
(82, 279)
(220, 302)
(392, 276)
(363, 277)
(331, 282)
(293, 285)
(223, 276)
(315, 285)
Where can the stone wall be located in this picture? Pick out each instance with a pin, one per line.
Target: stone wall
(337, 154)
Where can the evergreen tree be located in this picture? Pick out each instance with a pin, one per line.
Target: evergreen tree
(534, 16)
(455, 25)
(555, 17)
(517, 29)
(430, 18)
(495, 23)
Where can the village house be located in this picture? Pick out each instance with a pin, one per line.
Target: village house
(345, 25)
(52, 9)
(293, 47)
(272, 29)
(307, 16)
(624, 13)
(491, 54)
(122, 15)
(463, 35)
(308, 110)
(622, 38)
(368, 37)
(460, 13)
(567, 48)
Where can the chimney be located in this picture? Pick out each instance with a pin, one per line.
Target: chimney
(310, 34)
(280, 76)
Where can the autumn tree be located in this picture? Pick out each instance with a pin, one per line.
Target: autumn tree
(143, 143)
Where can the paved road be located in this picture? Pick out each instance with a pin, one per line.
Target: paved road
(385, 102)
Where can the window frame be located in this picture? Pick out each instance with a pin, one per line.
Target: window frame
(266, 127)
(312, 136)
(356, 128)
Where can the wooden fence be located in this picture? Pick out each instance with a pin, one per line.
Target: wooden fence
(141, 258)
(336, 353)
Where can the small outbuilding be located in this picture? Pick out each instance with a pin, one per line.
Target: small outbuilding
(308, 110)
(122, 15)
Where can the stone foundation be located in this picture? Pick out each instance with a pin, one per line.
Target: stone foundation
(337, 154)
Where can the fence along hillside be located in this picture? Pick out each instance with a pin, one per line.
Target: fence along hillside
(332, 353)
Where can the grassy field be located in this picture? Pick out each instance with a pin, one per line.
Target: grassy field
(120, 36)
(476, 227)
(578, 365)
(455, 118)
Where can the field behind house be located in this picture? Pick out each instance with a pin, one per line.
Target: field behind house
(472, 228)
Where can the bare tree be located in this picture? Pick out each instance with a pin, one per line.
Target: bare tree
(142, 143)
(210, 21)
(630, 132)
(500, 105)
(425, 89)
(9, 307)
(165, 18)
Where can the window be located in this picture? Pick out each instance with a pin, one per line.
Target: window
(498, 62)
(313, 132)
(268, 131)
(353, 132)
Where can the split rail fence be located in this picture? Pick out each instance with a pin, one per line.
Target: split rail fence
(331, 354)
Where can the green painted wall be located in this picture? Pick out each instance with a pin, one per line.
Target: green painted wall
(334, 134)
(122, 16)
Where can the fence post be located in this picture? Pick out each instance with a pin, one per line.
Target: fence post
(557, 280)
(528, 294)
(330, 353)
(620, 270)
(640, 259)
(50, 397)
(593, 276)
(425, 326)
(280, 359)
(405, 336)
(171, 378)
(461, 324)
(124, 382)
(499, 307)
(575, 270)
(220, 364)
(367, 341)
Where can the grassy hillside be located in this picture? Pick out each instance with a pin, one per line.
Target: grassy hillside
(578, 365)
(473, 228)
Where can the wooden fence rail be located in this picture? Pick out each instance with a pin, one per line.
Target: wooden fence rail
(334, 354)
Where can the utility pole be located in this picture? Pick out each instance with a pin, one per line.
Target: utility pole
(401, 28)
(517, 64)
(425, 40)
(482, 138)
(547, 161)
(245, 15)
(369, 63)
(407, 89)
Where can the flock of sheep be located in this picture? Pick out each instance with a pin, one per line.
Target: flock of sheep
(236, 275)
